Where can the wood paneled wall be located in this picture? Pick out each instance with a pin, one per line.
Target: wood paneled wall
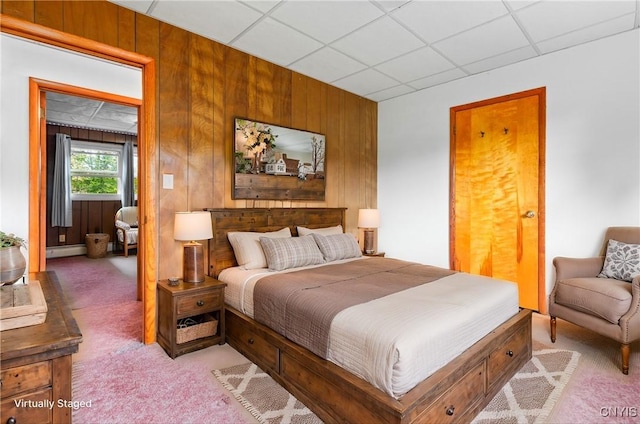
(89, 216)
(202, 86)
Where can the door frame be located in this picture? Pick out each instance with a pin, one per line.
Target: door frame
(147, 152)
(541, 214)
(37, 102)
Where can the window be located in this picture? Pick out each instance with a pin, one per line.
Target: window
(96, 170)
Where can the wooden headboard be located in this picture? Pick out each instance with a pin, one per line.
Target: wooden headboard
(221, 254)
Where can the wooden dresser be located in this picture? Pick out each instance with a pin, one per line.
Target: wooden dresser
(36, 363)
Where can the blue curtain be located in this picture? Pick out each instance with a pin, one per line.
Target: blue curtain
(61, 205)
(128, 195)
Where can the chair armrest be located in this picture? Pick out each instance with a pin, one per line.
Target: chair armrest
(630, 322)
(577, 267)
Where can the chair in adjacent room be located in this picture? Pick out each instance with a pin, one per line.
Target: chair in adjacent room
(126, 221)
(602, 293)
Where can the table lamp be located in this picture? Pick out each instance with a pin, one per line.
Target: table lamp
(189, 227)
(368, 219)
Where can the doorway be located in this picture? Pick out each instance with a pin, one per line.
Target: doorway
(497, 191)
(147, 275)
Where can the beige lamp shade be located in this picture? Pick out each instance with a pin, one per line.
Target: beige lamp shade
(368, 218)
(191, 226)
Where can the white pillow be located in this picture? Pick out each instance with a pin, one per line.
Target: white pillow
(338, 246)
(303, 231)
(247, 248)
(123, 225)
(285, 253)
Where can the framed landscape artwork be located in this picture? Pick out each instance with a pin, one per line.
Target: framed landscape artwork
(277, 163)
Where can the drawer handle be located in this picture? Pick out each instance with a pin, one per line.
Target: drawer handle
(12, 420)
(200, 303)
(510, 353)
(251, 341)
(450, 410)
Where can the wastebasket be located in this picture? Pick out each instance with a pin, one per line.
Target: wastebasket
(96, 245)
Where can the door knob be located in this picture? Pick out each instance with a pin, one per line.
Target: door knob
(530, 214)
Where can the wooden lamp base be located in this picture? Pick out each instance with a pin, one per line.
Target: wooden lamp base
(368, 241)
(193, 263)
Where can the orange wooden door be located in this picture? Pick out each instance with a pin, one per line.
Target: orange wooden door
(497, 192)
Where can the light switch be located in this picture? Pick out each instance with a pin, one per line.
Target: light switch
(167, 181)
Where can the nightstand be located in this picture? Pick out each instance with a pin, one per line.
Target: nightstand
(186, 315)
(378, 254)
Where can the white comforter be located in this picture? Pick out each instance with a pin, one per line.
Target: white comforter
(438, 321)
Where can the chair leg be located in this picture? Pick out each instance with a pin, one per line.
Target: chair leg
(126, 250)
(625, 350)
(552, 323)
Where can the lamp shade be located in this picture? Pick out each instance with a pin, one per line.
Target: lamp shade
(368, 218)
(190, 226)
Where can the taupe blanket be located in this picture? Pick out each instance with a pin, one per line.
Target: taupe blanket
(300, 305)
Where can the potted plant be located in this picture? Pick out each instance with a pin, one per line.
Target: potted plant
(12, 261)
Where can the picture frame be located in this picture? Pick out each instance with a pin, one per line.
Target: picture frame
(277, 163)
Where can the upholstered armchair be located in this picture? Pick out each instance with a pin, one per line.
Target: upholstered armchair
(126, 221)
(602, 294)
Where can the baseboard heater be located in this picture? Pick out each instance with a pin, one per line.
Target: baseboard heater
(71, 250)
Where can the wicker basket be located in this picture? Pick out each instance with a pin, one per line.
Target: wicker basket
(208, 327)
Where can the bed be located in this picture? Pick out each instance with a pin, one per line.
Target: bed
(453, 392)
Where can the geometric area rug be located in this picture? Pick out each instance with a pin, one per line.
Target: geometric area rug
(531, 394)
(529, 397)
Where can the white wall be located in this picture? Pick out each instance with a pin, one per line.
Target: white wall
(19, 60)
(592, 143)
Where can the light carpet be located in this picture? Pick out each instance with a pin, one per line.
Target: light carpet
(528, 397)
(109, 329)
(144, 385)
(93, 282)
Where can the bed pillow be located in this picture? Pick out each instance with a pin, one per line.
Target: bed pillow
(338, 246)
(622, 261)
(285, 253)
(247, 248)
(304, 231)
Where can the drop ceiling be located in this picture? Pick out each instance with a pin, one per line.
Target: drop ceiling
(81, 112)
(385, 49)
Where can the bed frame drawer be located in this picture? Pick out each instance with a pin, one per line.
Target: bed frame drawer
(253, 344)
(458, 399)
(507, 355)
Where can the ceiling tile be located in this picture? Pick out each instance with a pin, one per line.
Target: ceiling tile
(585, 35)
(218, 20)
(326, 20)
(262, 5)
(267, 38)
(365, 82)
(435, 20)
(493, 38)
(389, 5)
(440, 78)
(519, 4)
(390, 93)
(327, 65)
(545, 20)
(500, 60)
(138, 5)
(381, 40)
(414, 65)
(115, 112)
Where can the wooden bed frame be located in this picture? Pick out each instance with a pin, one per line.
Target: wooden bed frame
(454, 394)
